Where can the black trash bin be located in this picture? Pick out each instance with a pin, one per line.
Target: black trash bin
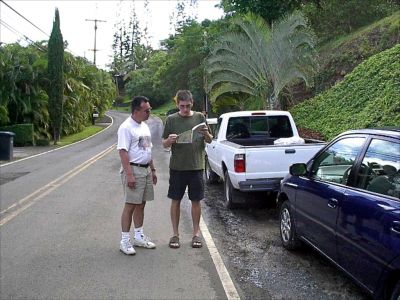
(6, 145)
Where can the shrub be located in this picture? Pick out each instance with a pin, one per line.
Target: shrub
(42, 142)
(23, 134)
(367, 97)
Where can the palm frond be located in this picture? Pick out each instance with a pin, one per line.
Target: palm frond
(228, 87)
(261, 61)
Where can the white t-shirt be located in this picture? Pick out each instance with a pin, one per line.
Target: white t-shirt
(136, 139)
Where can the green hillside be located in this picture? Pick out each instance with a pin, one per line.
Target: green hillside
(368, 97)
(340, 56)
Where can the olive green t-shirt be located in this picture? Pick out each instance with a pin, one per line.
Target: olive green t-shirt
(185, 156)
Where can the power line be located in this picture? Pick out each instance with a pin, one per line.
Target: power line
(21, 35)
(24, 18)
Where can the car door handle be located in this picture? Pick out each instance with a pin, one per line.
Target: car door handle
(395, 227)
(332, 202)
(290, 151)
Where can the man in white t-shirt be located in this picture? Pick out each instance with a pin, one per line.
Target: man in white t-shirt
(137, 174)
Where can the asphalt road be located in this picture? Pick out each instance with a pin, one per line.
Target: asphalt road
(60, 230)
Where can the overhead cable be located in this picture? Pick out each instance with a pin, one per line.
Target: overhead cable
(24, 36)
(24, 18)
(21, 35)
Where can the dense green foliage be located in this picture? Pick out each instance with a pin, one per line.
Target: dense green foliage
(340, 56)
(147, 81)
(49, 90)
(328, 18)
(23, 85)
(86, 89)
(269, 10)
(259, 60)
(333, 18)
(367, 97)
(22, 94)
(55, 69)
(24, 134)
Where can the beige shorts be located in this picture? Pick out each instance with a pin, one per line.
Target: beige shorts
(143, 191)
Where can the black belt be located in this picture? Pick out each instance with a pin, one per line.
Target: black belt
(139, 165)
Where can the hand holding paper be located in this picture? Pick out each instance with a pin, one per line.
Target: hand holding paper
(188, 135)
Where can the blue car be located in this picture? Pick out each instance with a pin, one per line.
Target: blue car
(345, 203)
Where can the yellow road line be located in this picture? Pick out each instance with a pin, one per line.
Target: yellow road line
(223, 273)
(29, 200)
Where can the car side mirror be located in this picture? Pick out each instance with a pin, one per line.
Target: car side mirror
(298, 169)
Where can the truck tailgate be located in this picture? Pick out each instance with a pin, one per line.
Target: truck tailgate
(274, 161)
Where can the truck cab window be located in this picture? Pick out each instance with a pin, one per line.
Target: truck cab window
(238, 129)
(279, 127)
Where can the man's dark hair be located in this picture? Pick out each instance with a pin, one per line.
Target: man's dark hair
(183, 95)
(137, 101)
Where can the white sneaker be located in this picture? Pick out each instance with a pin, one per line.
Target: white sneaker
(144, 242)
(126, 247)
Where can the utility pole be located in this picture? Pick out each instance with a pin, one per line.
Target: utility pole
(95, 33)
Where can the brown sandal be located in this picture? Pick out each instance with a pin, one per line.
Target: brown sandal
(196, 242)
(174, 242)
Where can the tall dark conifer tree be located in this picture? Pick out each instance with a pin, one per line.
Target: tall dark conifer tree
(55, 70)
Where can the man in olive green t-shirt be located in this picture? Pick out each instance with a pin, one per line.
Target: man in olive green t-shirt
(186, 163)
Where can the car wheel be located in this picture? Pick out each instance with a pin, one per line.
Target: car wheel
(229, 192)
(210, 175)
(396, 292)
(287, 228)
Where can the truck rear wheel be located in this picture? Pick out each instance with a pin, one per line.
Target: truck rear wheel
(210, 175)
(229, 192)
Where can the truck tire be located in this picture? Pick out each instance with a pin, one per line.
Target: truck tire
(288, 228)
(229, 192)
(209, 175)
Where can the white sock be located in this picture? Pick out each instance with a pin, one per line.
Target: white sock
(139, 233)
(125, 236)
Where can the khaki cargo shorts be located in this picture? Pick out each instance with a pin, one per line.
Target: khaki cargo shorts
(143, 191)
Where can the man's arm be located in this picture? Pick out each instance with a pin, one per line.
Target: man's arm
(153, 172)
(123, 154)
(207, 135)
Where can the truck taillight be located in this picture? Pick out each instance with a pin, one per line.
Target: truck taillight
(240, 163)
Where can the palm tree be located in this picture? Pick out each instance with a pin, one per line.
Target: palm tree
(260, 60)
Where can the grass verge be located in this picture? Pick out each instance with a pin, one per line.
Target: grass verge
(88, 131)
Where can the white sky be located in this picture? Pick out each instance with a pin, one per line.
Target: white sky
(80, 33)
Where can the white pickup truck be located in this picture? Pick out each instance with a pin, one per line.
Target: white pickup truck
(252, 151)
